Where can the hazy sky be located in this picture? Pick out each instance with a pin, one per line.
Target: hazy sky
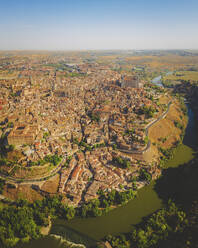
(98, 24)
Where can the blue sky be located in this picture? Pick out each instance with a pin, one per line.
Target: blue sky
(98, 24)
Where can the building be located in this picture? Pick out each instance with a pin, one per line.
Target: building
(23, 134)
(130, 81)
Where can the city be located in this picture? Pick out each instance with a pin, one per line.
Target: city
(98, 124)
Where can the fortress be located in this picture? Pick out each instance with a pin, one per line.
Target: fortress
(131, 81)
(23, 134)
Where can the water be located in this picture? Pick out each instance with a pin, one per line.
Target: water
(157, 81)
(119, 219)
(169, 73)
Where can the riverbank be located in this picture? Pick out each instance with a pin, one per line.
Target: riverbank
(66, 243)
(45, 230)
(155, 228)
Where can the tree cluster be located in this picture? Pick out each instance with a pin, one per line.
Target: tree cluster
(152, 230)
(122, 163)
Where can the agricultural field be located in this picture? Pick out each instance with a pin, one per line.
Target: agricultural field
(183, 75)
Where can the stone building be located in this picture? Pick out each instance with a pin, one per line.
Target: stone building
(130, 81)
(23, 134)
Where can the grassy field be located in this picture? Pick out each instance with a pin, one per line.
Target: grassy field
(183, 75)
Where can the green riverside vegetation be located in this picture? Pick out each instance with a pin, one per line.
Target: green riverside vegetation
(22, 220)
(153, 229)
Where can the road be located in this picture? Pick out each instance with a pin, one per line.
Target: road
(33, 180)
(146, 131)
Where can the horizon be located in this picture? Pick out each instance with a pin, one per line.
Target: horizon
(98, 25)
(98, 50)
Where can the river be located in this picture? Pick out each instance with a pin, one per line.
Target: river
(121, 219)
(157, 81)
